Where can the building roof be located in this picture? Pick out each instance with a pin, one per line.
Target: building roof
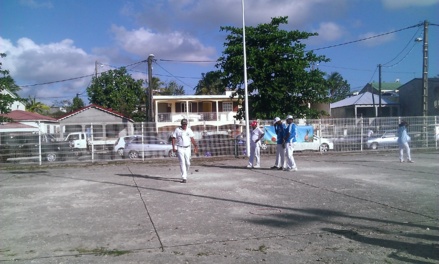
(107, 110)
(17, 127)
(20, 115)
(365, 99)
(385, 87)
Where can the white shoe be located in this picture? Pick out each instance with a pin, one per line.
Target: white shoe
(256, 167)
(291, 169)
(249, 166)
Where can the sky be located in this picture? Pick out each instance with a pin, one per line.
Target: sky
(54, 47)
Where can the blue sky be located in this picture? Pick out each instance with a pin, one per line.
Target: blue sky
(50, 41)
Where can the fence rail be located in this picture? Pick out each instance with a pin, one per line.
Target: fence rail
(106, 141)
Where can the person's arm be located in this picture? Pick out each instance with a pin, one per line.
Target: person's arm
(195, 145)
(173, 144)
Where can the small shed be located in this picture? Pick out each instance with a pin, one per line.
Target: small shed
(104, 122)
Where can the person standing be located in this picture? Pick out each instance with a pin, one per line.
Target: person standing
(403, 142)
(255, 146)
(290, 139)
(279, 129)
(182, 138)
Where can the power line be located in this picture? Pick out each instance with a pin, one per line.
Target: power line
(363, 39)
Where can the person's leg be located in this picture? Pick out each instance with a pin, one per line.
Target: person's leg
(252, 155)
(278, 156)
(293, 162)
(257, 163)
(181, 158)
(187, 159)
(401, 152)
(407, 150)
(289, 156)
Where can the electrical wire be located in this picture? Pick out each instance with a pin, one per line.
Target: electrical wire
(410, 41)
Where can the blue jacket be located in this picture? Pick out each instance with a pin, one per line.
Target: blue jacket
(291, 132)
(280, 132)
(403, 137)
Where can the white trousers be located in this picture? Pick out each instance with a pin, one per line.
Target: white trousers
(280, 156)
(402, 147)
(184, 156)
(255, 155)
(289, 149)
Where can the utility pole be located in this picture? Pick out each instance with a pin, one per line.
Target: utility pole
(150, 110)
(425, 71)
(379, 90)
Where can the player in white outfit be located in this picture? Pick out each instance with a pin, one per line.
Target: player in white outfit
(181, 143)
(255, 146)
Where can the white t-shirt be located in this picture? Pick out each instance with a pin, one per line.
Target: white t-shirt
(183, 137)
(256, 134)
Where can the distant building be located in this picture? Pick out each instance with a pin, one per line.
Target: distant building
(411, 97)
(16, 105)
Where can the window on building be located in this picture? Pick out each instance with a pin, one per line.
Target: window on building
(227, 107)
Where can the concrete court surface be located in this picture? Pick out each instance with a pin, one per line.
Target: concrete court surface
(338, 208)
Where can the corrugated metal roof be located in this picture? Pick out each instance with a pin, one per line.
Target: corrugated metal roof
(364, 99)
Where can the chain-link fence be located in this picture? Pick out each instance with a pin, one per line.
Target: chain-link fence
(81, 143)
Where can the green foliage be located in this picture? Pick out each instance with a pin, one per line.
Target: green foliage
(339, 88)
(32, 105)
(76, 104)
(7, 83)
(210, 84)
(116, 89)
(172, 88)
(280, 79)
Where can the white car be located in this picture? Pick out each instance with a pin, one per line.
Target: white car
(119, 145)
(147, 146)
(317, 144)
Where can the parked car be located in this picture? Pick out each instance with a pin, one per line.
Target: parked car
(119, 145)
(317, 144)
(388, 139)
(147, 146)
(26, 146)
(350, 142)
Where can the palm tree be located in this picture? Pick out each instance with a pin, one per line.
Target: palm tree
(36, 107)
(210, 83)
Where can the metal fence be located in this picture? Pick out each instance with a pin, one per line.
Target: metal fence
(141, 141)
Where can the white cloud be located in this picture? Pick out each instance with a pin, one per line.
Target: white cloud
(329, 31)
(395, 4)
(30, 63)
(176, 45)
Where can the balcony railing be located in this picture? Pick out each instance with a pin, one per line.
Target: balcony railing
(196, 116)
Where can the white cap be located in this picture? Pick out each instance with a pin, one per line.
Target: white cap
(289, 117)
(276, 119)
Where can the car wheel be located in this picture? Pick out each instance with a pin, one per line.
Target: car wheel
(120, 151)
(172, 154)
(77, 152)
(324, 147)
(264, 146)
(374, 145)
(51, 157)
(133, 154)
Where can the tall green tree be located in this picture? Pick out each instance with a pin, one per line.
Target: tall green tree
(172, 88)
(116, 89)
(77, 103)
(338, 88)
(280, 78)
(34, 106)
(210, 84)
(7, 83)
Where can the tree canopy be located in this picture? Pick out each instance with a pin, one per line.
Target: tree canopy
(172, 88)
(116, 89)
(34, 106)
(339, 88)
(280, 78)
(7, 83)
(210, 84)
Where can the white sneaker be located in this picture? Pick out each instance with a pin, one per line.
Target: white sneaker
(249, 166)
(256, 167)
(292, 169)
